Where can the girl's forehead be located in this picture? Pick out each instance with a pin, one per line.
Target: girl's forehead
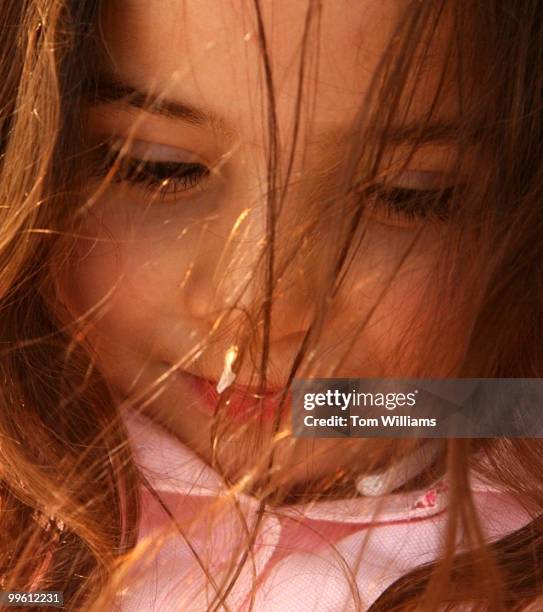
(206, 53)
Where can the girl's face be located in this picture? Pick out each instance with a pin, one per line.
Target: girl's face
(168, 246)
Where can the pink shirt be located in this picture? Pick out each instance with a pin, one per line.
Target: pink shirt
(301, 552)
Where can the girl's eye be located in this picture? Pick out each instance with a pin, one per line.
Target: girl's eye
(166, 176)
(400, 203)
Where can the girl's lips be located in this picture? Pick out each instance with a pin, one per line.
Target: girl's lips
(241, 402)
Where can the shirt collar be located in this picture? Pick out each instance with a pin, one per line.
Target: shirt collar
(172, 467)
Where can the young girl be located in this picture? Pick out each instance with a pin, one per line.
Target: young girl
(202, 200)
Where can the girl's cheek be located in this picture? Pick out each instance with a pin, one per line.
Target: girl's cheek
(141, 258)
(381, 306)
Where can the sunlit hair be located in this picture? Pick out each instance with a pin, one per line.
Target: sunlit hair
(69, 486)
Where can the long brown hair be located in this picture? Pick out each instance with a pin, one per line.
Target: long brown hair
(68, 483)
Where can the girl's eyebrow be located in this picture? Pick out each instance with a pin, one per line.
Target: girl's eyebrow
(443, 131)
(110, 90)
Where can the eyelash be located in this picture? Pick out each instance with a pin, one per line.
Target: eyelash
(171, 178)
(165, 177)
(410, 204)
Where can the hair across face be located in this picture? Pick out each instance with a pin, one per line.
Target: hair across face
(334, 188)
(193, 247)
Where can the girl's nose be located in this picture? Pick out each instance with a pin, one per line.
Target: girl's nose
(232, 275)
(234, 271)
